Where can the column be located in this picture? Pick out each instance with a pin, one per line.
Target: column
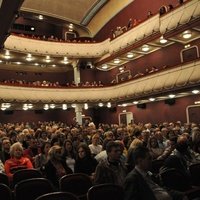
(77, 78)
(78, 111)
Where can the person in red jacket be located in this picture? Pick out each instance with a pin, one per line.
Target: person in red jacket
(17, 161)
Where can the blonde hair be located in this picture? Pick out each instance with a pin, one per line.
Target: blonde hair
(16, 145)
(52, 152)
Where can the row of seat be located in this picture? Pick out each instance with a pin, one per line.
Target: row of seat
(41, 189)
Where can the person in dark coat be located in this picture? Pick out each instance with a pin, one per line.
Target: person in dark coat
(85, 163)
(55, 167)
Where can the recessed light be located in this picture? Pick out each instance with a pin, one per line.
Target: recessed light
(117, 61)
(172, 96)
(187, 34)
(195, 91)
(41, 17)
(100, 104)
(64, 106)
(104, 66)
(129, 55)
(151, 99)
(163, 40)
(145, 47)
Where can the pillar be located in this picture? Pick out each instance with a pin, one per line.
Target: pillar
(78, 111)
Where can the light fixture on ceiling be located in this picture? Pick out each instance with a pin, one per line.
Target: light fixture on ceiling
(172, 96)
(32, 28)
(40, 17)
(124, 104)
(145, 48)
(18, 63)
(152, 99)
(1, 61)
(100, 104)
(104, 66)
(187, 34)
(135, 102)
(129, 55)
(29, 57)
(7, 55)
(73, 105)
(85, 106)
(187, 46)
(117, 61)
(163, 40)
(71, 26)
(65, 60)
(109, 105)
(52, 106)
(3, 108)
(64, 106)
(36, 64)
(46, 107)
(48, 59)
(195, 91)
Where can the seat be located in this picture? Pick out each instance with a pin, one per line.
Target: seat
(156, 165)
(77, 184)
(5, 192)
(32, 188)
(105, 192)
(195, 173)
(4, 179)
(173, 179)
(58, 196)
(24, 174)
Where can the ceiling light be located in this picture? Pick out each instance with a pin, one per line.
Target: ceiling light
(3, 108)
(36, 64)
(7, 55)
(1, 61)
(73, 105)
(29, 57)
(104, 66)
(64, 106)
(109, 105)
(52, 106)
(71, 26)
(46, 107)
(135, 102)
(172, 96)
(40, 17)
(25, 108)
(85, 106)
(53, 65)
(187, 34)
(145, 48)
(48, 59)
(100, 104)
(65, 60)
(6, 105)
(187, 46)
(163, 40)
(32, 28)
(195, 91)
(129, 55)
(151, 99)
(124, 104)
(197, 102)
(117, 61)
(18, 63)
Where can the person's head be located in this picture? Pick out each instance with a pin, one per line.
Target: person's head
(16, 150)
(83, 151)
(114, 150)
(153, 142)
(95, 139)
(55, 153)
(6, 144)
(142, 158)
(182, 144)
(45, 147)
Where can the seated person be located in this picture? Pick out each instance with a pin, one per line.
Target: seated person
(138, 183)
(17, 161)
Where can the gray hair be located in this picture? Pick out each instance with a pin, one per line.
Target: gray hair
(16, 145)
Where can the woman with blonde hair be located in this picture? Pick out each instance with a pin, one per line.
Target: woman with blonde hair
(56, 166)
(17, 160)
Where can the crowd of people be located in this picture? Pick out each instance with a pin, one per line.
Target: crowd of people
(117, 154)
